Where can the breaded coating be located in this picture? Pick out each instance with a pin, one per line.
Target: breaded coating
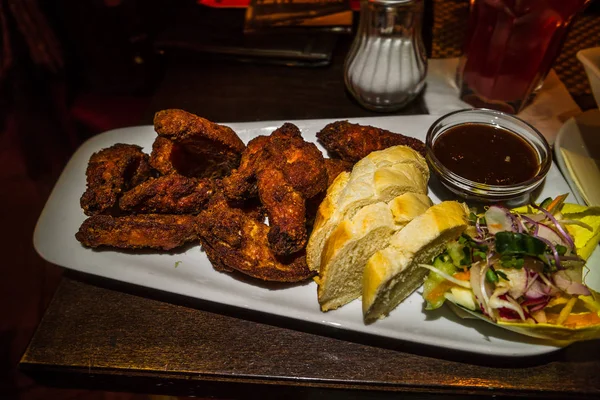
(168, 158)
(234, 240)
(162, 156)
(170, 194)
(215, 148)
(241, 184)
(286, 209)
(284, 171)
(153, 231)
(351, 142)
(110, 172)
(334, 167)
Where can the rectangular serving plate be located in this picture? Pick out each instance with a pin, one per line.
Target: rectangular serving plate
(190, 273)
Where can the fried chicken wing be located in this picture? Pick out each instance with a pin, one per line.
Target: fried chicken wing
(286, 209)
(241, 184)
(168, 158)
(155, 231)
(234, 240)
(170, 194)
(110, 172)
(334, 167)
(284, 171)
(162, 156)
(198, 147)
(351, 142)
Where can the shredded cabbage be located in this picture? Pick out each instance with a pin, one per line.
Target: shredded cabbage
(450, 278)
(519, 262)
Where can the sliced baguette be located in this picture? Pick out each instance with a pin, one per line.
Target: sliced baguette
(355, 239)
(379, 177)
(393, 273)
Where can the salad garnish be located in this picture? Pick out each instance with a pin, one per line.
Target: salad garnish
(516, 267)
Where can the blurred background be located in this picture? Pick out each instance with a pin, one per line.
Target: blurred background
(71, 69)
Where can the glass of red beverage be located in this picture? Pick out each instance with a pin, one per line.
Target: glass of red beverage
(509, 49)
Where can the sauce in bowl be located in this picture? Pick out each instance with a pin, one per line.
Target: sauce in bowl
(486, 154)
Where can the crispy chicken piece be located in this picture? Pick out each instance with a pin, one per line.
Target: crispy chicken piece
(284, 171)
(242, 183)
(170, 194)
(351, 142)
(168, 158)
(110, 172)
(162, 156)
(234, 240)
(334, 167)
(199, 148)
(155, 231)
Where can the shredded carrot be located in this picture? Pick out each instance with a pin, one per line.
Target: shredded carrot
(576, 320)
(463, 275)
(581, 320)
(439, 291)
(557, 200)
(445, 285)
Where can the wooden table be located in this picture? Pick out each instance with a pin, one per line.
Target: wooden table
(109, 335)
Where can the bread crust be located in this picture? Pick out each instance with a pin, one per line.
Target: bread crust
(355, 239)
(392, 274)
(380, 176)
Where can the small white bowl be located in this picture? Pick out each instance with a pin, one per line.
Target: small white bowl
(590, 58)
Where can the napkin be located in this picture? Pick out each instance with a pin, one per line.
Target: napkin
(577, 150)
(552, 106)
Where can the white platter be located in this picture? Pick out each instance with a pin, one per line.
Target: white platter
(190, 273)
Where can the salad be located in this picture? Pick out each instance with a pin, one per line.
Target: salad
(519, 269)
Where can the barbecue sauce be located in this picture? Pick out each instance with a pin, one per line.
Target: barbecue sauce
(486, 154)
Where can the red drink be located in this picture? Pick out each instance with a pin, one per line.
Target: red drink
(510, 47)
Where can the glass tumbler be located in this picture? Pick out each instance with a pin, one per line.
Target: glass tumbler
(509, 49)
(386, 66)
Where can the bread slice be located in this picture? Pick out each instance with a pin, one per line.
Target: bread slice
(379, 177)
(355, 239)
(393, 273)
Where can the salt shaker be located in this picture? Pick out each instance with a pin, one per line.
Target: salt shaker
(386, 66)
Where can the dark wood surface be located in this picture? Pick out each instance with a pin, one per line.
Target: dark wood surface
(232, 91)
(115, 336)
(109, 335)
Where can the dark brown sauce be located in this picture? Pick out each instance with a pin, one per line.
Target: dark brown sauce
(486, 154)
